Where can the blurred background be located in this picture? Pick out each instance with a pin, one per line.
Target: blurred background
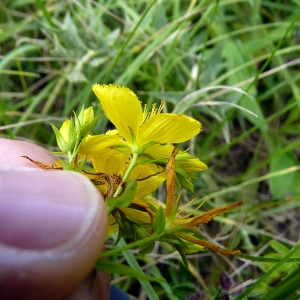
(231, 64)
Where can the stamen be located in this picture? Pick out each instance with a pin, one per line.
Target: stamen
(145, 113)
(161, 106)
(154, 110)
(148, 114)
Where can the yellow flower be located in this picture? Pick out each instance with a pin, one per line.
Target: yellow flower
(140, 133)
(139, 148)
(108, 175)
(137, 129)
(149, 176)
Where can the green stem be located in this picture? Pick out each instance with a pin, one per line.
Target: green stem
(136, 244)
(71, 157)
(132, 165)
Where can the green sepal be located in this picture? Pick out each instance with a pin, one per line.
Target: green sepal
(81, 164)
(61, 143)
(85, 121)
(147, 248)
(129, 232)
(124, 200)
(134, 141)
(120, 235)
(72, 136)
(120, 232)
(159, 222)
(117, 268)
(63, 164)
(70, 166)
(182, 255)
(145, 147)
(85, 130)
(119, 148)
(185, 182)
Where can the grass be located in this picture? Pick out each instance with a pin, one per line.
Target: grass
(231, 64)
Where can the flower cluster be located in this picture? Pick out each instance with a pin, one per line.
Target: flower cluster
(130, 162)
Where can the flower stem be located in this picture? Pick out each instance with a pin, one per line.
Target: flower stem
(132, 165)
(114, 251)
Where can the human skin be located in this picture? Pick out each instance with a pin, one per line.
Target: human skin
(52, 229)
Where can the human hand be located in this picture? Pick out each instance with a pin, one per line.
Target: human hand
(52, 229)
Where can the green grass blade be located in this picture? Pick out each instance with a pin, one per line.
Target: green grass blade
(288, 283)
(131, 260)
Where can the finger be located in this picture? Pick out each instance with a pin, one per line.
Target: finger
(52, 229)
(11, 153)
(96, 286)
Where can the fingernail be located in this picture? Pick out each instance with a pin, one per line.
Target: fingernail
(45, 209)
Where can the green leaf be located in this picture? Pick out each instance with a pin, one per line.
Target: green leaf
(244, 295)
(124, 200)
(164, 284)
(147, 287)
(117, 268)
(182, 254)
(59, 139)
(159, 222)
(183, 290)
(147, 247)
(295, 186)
(286, 288)
(13, 29)
(279, 247)
(46, 14)
(185, 182)
(279, 185)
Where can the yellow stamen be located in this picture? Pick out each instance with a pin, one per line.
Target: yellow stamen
(148, 114)
(161, 106)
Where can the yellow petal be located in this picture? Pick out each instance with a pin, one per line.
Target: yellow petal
(183, 160)
(121, 106)
(158, 151)
(137, 215)
(168, 128)
(149, 177)
(112, 225)
(104, 144)
(113, 164)
(64, 130)
(148, 202)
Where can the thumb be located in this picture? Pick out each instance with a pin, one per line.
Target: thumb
(52, 229)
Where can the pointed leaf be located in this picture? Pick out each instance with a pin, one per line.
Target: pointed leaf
(147, 248)
(117, 268)
(124, 200)
(159, 222)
